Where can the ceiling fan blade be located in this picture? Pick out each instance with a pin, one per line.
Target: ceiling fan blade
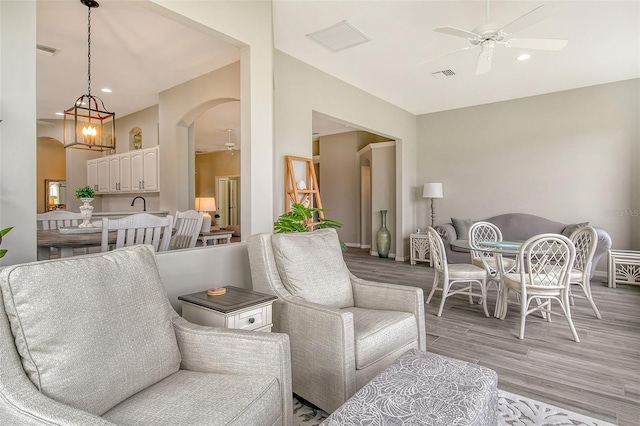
(532, 17)
(485, 57)
(435, 58)
(537, 43)
(457, 32)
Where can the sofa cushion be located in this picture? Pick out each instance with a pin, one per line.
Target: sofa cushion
(124, 343)
(379, 333)
(311, 266)
(195, 398)
(570, 229)
(462, 227)
(522, 226)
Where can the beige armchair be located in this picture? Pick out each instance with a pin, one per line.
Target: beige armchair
(343, 330)
(93, 340)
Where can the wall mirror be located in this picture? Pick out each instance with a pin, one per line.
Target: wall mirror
(55, 194)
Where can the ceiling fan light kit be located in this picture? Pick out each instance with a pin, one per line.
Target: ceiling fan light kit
(488, 36)
(88, 124)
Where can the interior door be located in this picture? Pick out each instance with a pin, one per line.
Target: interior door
(228, 200)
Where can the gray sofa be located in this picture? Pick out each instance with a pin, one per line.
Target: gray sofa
(93, 340)
(518, 227)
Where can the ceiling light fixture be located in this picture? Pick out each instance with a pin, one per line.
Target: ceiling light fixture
(106, 90)
(87, 124)
(230, 145)
(523, 57)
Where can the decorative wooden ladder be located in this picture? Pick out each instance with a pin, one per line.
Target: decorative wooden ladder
(305, 192)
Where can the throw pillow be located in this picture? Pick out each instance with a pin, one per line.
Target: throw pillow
(462, 227)
(311, 266)
(92, 330)
(570, 229)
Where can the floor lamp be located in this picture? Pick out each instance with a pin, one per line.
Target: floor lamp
(432, 190)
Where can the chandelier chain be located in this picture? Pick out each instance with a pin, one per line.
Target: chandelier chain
(89, 52)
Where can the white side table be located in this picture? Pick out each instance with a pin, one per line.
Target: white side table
(623, 267)
(215, 237)
(238, 308)
(420, 248)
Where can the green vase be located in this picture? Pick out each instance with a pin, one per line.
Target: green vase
(383, 237)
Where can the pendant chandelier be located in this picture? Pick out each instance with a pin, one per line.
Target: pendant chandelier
(87, 124)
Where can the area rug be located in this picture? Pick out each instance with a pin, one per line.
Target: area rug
(513, 410)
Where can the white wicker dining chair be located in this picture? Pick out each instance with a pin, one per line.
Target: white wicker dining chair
(140, 228)
(187, 228)
(454, 275)
(544, 264)
(488, 232)
(585, 240)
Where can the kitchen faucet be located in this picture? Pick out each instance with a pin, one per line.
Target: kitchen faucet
(144, 203)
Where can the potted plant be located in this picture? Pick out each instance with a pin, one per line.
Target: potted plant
(85, 194)
(4, 232)
(300, 219)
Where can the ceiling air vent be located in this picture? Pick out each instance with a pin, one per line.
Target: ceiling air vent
(339, 36)
(46, 50)
(443, 74)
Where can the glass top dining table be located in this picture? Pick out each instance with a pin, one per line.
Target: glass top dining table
(496, 249)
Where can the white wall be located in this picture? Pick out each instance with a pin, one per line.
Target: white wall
(301, 89)
(248, 25)
(197, 269)
(568, 156)
(18, 192)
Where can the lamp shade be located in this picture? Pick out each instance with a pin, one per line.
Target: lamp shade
(206, 204)
(432, 190)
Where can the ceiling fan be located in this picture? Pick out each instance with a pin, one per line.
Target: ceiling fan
(488, 36)
(228, 146)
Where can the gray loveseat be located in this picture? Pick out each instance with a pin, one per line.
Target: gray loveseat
(518, 227)
(93, 340)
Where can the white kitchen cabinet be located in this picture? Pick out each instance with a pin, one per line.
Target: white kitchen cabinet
(114, 173)
(150, 181)
(125, 172)
(103, 175)
(133, 171)
(92, 174)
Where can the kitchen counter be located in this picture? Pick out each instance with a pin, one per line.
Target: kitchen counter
(116, 215)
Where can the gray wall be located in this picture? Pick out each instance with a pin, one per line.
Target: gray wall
(339, 183)
(569, 156)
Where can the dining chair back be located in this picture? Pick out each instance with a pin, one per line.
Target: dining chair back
(58, 219)
(544, 265)
(483, 257)
(187, 228)
(457, 278)
(585, 240)
(140, 228)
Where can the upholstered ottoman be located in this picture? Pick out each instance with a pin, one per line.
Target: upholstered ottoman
(422, 388)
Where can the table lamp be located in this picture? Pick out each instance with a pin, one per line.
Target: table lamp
(206, 205)
(432, 190)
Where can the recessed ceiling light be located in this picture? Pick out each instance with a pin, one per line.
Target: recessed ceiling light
(523, 57)
(106, 90)
(59, 113)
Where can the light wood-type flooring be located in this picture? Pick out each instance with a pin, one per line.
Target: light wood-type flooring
(599, 377)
